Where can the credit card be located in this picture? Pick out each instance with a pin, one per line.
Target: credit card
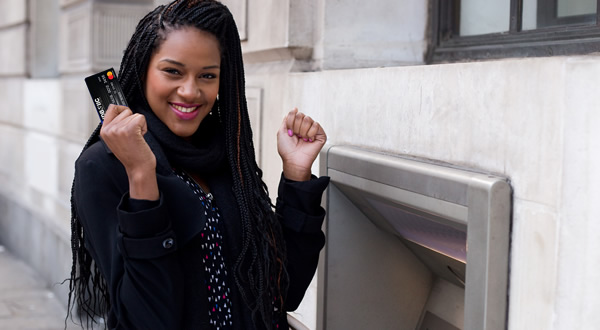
(105, 89)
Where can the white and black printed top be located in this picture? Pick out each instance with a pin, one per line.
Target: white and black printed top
(215, 270)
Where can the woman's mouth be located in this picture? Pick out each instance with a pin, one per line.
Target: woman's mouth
(185, 111)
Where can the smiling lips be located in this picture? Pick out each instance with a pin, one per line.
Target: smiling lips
(185, 111)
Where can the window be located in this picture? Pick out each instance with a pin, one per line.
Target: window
(473, 29)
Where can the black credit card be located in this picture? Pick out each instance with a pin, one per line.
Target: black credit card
(105, 89)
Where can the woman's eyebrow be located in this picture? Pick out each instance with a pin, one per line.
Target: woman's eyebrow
(216, 66)
(172, 62)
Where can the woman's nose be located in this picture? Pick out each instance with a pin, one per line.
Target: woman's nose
(189, 90)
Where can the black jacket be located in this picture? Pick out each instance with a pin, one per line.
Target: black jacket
(150, 258)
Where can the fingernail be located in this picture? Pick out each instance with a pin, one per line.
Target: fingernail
(290, 133)
(310, 140)
(305, 139)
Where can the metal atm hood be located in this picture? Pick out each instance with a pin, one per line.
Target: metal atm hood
(455, 223)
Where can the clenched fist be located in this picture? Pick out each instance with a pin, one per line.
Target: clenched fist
(299, 141)
(123, 132)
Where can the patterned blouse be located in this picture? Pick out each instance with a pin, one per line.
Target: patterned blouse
(215, 270)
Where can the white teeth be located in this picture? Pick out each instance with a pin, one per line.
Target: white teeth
(184, 109)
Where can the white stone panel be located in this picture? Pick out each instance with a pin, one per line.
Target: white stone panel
(68, 153)
(307, 311)
(79, 117)
(65, 3)
(75, 39)
(579, 225)
(41, 163)
(11, 107)
(95, 34)
(43, 38)
(13, 51)
(475, 123)
(264, 34)
(13, 12)
(12, 141)
(271, 78)
(42, 105)
(254, 101)
(380, 33)
(533, 266)
(113, 25)
(238, 9)
(508, 117)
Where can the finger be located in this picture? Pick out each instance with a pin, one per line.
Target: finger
(123, 126)
(313, 131)
(114, 122)
(133, 125)
(113, 111)
(283, 128)
(139, 121)
(298, 122)
(289, 120)
(124, 114)
(305, 126)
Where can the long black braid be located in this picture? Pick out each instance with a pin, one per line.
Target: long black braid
(259, 271)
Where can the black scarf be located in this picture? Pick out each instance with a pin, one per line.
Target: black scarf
(203, 154)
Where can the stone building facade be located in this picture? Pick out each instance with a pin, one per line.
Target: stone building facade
(360, 70)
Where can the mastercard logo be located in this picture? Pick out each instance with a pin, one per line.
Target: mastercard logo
(110, 75)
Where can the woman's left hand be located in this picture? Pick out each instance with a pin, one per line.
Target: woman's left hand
(299, 141)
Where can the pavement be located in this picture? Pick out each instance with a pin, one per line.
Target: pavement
(26, 303)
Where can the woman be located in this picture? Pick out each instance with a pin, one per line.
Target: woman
(172, 226)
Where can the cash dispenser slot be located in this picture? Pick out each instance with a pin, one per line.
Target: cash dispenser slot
(412, 244)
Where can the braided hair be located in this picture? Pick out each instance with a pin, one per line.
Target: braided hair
(259, 271)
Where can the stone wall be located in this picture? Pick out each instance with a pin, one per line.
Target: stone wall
(47, 115)
(532, 120)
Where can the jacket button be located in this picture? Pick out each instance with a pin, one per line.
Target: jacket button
(168, 243)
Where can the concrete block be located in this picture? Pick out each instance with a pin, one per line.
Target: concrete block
(254, 100)
(13, 12)
(13, 56)
(40, 244)
(507, 129)
(112, 27)
(580, 249)
(12, 96)
(12, 162)
(533, 266)
(239, 11)
(79, 117)
(68, 153)
(356, 36)
(75, 38)
(43, 38)
(264, 34)
(42, 104)
(94, 34)
(66, 3)
(41, 163)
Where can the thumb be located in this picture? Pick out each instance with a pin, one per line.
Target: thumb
(283, 130)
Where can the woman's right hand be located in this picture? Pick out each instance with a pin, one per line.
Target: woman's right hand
(123, 132)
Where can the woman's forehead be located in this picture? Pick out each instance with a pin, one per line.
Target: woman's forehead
(186, 44)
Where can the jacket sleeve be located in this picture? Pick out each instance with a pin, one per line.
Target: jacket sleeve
(133, 245)
(301, 216)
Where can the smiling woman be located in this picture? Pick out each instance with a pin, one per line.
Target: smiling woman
(172, 225)
(182, 81)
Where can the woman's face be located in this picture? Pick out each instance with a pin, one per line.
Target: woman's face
(182, 81)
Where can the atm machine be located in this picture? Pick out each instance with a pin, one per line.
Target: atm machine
(412, 244)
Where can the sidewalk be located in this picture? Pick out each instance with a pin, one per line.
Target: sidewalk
(25, 302)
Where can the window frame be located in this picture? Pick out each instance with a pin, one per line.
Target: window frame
(445, 44)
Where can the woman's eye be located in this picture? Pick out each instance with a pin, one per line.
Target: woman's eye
(171, 71)
(208, 76)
